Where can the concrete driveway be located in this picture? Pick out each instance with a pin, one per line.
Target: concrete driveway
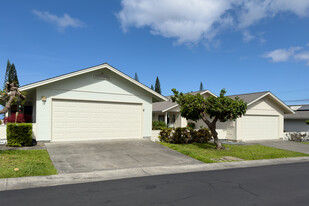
(73, 157)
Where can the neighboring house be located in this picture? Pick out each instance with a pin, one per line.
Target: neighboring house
(96, 103)
(296, 122)
(263, 120)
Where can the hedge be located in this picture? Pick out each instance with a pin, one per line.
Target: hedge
(19, 134)
(185, 135)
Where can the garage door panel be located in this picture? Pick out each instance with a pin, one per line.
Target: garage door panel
(81, 120)
(257, 127)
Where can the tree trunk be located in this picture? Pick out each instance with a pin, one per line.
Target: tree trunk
(214, 133)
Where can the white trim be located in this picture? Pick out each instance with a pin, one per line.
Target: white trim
(207, 91)
(278, 101)
(83, 71)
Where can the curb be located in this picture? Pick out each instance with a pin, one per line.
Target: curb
(75, 178)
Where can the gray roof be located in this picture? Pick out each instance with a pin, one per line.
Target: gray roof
(301, 113)
(161, 106)
(250, 97)
(298, 115)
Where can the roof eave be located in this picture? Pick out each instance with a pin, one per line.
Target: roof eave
(287, 109)
(155, 95)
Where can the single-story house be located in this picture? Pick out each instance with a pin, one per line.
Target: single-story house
(296, 122)
(264, 118)
(95, 103)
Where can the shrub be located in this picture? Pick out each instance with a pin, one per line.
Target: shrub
(185, 135)
(19, 134)
(165, 134)
(182, 136)
(11, 119)
(202, 136)
(297, 136)
(307, 121)
(191, 125)
(156, 125)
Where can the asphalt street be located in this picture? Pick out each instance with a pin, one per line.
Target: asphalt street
(269, 185)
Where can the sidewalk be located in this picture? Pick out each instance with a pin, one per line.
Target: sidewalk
(74, 178)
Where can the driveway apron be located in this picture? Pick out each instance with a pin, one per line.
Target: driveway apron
(74, 157)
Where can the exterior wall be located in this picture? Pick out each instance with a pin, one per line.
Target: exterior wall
(262, 107)
(225, 129)
(295, 125)
(86, 87)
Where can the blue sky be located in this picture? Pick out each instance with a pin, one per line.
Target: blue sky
(241, 45)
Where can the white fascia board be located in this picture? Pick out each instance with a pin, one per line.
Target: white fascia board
(288, 109)
(83, 71)
(207, 91)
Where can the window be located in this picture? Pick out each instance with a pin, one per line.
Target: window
(173, 118)
(161, 118)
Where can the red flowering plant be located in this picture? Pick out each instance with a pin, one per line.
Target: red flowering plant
(12, 118)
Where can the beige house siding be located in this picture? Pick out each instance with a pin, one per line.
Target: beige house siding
(262, 107)
(86, 87)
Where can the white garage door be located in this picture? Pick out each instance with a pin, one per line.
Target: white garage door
(84, 120)
(260, 127)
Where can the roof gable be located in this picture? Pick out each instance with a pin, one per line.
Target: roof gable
(168, 105)
(251, 98)
(155, 95)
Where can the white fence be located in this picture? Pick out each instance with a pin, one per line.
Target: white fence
(155, 135)
(3, 133)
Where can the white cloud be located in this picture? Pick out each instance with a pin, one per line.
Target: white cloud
(61, 22)
(190, 21)
(281, 55)
(247, 36)
(303, 56)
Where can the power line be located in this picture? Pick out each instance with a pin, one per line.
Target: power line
(297, 100)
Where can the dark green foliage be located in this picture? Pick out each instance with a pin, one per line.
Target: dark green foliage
(202, 136)
(19, 134)
(136, 77)
(191, 125)
(151, 87)
(201, 87)
(221, 108)
(165, 134)
(184, 135)
(307, 121)
(13, 75)
(158, 86)
(6, 76)
(10, 75)
(210, 109)
(157, 125)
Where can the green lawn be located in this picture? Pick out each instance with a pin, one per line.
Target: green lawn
(305, 142)
(28, 162)
(207, 152)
